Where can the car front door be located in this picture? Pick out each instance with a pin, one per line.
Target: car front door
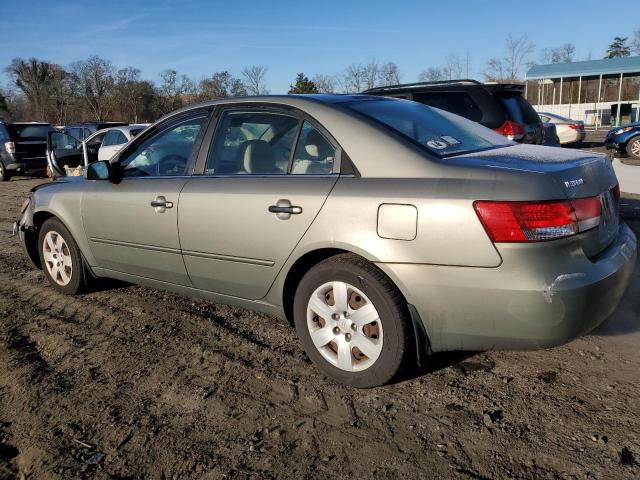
(132, 225)
(64, 153)
(266, 177)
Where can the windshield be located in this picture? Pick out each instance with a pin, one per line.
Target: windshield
(441, 133)
(26, 133)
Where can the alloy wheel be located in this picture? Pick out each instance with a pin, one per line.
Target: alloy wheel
(635, 148)
(344, 326)
(57, 258)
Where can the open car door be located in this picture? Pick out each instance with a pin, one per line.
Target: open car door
(66, 155)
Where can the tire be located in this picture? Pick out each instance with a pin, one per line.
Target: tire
(633, 148)
(5, 176)
(60, 258)
(385, 340)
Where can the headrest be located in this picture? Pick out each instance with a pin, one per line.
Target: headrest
(257, 157)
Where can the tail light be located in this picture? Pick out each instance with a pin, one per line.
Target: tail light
(537, 221)
(616, 192)
(576, 126)
(511, 130)
(10, 147)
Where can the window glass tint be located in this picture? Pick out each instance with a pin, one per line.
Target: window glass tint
(63, 141)
(459, 103)
(257, 143)
(97, 140)
(110, 138)
(135, 131)
(519, 109)
(314, 154)
(120, 138)
(86, 133)
(30, 133)
(165, 153)
(439, 132)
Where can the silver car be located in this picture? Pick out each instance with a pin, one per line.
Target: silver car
(569, 131)
(384, 229)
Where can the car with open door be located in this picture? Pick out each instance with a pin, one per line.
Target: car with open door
(22, 148)
(383, 229)
(68, 156)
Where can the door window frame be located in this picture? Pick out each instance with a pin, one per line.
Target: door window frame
(251, 107)
(151, 131)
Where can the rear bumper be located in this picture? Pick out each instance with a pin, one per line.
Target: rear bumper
(540, 296)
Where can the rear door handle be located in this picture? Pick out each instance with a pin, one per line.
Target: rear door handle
(292, 210)
(283, 209)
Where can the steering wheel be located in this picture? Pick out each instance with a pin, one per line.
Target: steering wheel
(172, 165)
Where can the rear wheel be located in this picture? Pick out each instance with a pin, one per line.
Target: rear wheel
(4, 174)
(633, 148)
(60, 258)
(352, 321)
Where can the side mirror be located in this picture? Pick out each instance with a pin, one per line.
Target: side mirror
(100, 170)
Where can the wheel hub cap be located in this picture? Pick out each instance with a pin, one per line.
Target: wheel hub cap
(344, 326)
(57, 258)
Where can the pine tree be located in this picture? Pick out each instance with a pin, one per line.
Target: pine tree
(618, 48)
(303, 85)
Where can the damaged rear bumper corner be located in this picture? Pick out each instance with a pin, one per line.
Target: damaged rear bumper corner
(539, 297)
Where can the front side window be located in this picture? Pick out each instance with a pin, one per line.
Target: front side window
(441, 133)
(314, 155)
(167, 152)
(252, 143)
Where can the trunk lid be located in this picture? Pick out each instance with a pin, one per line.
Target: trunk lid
(578, 174)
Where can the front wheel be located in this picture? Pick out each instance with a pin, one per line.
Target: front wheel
(60, 258)
(633, 148)
(352, 321)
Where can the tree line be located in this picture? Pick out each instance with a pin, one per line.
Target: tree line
(95, 89)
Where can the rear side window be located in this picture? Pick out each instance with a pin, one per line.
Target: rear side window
(459, 103)
(110, 138)
(440, 133)
(254, 143)
(519, 109)
(30, 133)
(314, 154)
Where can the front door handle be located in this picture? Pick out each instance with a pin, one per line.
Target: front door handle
(161, 204)
(283, 209)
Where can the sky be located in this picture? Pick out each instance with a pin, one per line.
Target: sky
(197, 37)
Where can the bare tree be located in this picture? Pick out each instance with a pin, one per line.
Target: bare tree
(33, 78)
(324, 83)
(221, 85)
(254, 78)
(453, 67)
(353, 78)
(431, 74)
(371, 72)
(95, 82)
(509, 68)
(174, 91)
(635, 43)
(562, 54)
(389, 74)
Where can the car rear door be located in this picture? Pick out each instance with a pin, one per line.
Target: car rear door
(263, 180)
(131, 225)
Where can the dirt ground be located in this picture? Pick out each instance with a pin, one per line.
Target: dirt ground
(128, 382)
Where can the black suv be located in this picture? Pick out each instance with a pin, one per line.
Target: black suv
(23, 147)
(80, 131)
(500, 107)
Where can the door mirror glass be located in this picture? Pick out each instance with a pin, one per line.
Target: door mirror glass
(99, 170)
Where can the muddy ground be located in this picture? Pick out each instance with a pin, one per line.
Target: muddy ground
(128, 382)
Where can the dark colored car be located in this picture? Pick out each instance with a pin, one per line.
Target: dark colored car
(82, 130)
(625, 140)
(500, 107)
(23, 147)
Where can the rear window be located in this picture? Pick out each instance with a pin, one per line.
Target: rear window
(441, 133)
(519, 109)
(459, 103)
(30, 133)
